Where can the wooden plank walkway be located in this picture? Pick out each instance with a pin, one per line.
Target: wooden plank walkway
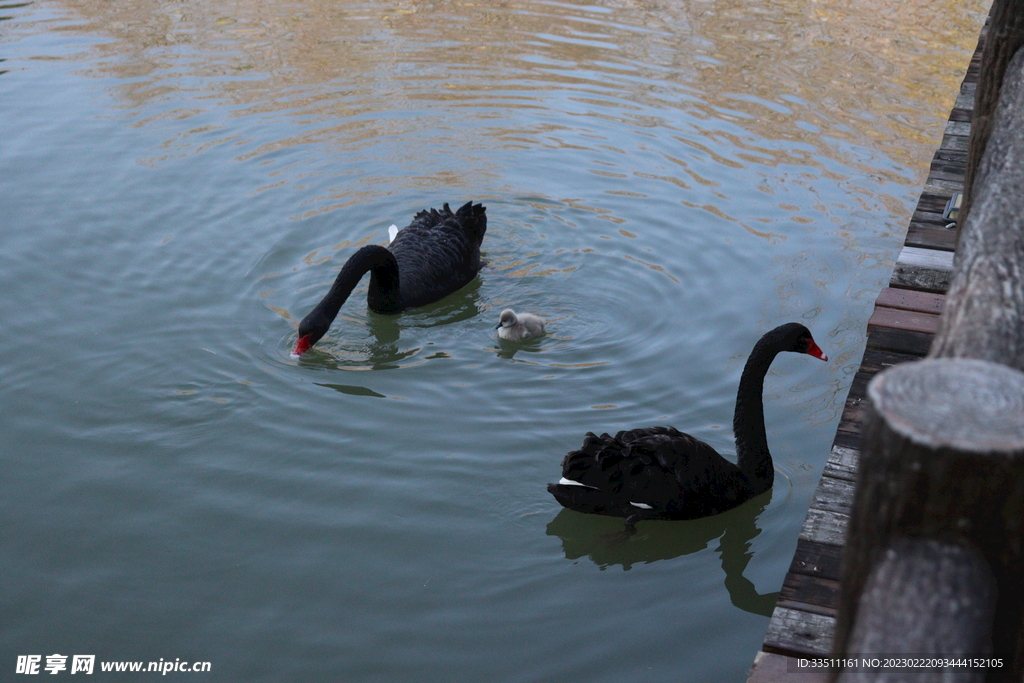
(901, 328)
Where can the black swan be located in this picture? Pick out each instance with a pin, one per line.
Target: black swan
(661, 473)
(519, 327)
(435, 255)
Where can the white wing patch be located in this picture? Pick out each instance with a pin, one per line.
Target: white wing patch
(569, 482)
(642, 506)
(392, 233)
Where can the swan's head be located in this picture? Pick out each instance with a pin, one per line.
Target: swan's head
(507, 319)
(311, 330)
(797, 338)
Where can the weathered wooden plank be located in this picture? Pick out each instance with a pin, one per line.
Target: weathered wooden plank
(794, 633)
(932, 221)
(957, 142)
(929, 213)
(927, 219)
(848, 428)
(925, 258)
(910, 300)
(825, 526)
(950, 157)
(934, 202)
(965, 99)
(921, 278)
(934, 236)
(927, 269)
(876, 360)
(900, 341)
(847, 440)
(842, 463)
(942, 173)
(854, 401)
(857, 389)
(901, 319)
(817, 559)
(946, 170)
(833, 495)
(944, 186)
(849, 423)
(958, 128)
(810, 594)
(960, 114)
(975, 64)
(774, 668)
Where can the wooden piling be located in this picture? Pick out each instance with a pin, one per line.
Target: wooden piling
(934, 551)
(941, 477)
(1006, 37)
(904, 322)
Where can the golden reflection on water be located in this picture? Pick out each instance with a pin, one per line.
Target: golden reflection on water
(863, 72)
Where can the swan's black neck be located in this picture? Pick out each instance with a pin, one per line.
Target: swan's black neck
(384, 295)
(752, 454)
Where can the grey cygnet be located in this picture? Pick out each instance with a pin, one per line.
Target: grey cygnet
(519, 327)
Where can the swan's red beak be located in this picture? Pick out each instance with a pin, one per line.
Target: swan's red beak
(301, 346)
(814, 350)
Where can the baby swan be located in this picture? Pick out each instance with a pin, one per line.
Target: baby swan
(519, 327)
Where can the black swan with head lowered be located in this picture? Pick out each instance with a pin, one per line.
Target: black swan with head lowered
(435, 255)
(661, 473)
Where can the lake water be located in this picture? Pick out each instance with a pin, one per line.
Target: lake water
(180, 182)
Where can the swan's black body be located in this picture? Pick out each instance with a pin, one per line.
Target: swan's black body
(661, 473)
(435, 255)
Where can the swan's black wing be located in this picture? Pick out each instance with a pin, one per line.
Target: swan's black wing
(438, 253)
(652, 473)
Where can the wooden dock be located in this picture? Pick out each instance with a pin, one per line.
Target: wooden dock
(901, 328)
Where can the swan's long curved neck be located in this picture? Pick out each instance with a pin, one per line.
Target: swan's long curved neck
(384, 295)
(752, 455)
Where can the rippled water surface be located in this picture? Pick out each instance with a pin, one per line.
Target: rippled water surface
(664, 181)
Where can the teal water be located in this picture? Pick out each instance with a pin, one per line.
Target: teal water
(180, 183)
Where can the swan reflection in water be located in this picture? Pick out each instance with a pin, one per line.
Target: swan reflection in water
(591, 536)
(380, 350)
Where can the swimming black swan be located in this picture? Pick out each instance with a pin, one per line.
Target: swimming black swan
(519, 327)
(661, 473)
(435, 255)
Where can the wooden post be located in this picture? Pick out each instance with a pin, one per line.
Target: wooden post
(936, 596)
(1005, 38)
(984, 312)
(941, 476)
(943, 460)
